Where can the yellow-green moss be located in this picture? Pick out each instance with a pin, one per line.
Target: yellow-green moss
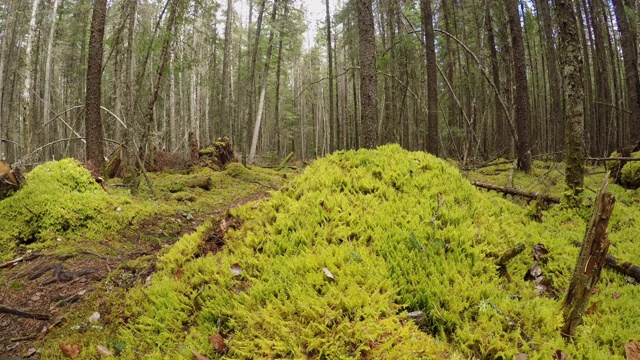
(61, 200)
(631, 173)
(399, 231)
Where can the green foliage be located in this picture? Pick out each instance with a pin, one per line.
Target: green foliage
(398, 231)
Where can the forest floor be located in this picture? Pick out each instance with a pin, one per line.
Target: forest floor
(69, 278)
(366, 254)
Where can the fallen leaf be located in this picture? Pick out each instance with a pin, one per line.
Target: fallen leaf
(179, 274)
(94, 318)
(632, 350)
(218, 343)
(236, 269)
(560, 355)
(70, 350)
(592, 308)
(521, 356)
(595, 291)
(616, 295)
(224, 226)
(539, 251)
(30, 352)
(103, 351)
(199, 356)
(328, 273)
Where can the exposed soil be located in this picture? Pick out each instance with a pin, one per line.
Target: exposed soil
(57, 284)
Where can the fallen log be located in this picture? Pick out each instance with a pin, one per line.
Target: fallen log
(590, 262)
(202, 182)
(285, 161)
(551, 199)
(625, 268)
(22, 313)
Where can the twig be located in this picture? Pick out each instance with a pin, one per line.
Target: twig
(517, 192)
(24, 338)
(613, 159)
(22, 313)
(15, 261)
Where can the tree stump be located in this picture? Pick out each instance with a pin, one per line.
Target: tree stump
(590, 262)
(8, 181)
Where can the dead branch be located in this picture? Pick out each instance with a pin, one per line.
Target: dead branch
(551, 199)
(613, 159)
(22, 313)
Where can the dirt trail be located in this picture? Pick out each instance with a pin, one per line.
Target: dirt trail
(57, 284)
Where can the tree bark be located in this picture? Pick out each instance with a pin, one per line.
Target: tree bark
(25, 123)
(225, 105)
(571, 63)
(332, 110)
(498, 140)
(630, 58)
(93, 119)
(523, 122)
(368, 80)
(590, 261)
(263, 89)
(46, 97)
(432, 78)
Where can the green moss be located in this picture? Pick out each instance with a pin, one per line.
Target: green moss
(399, 231)
(630, 173)
(61, 200)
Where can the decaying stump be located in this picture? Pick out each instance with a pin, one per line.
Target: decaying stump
(9, 180)
(590, 262)
(114, 163)
(218, 154)
(193, 145)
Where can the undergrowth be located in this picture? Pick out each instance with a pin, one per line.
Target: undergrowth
(331, 264)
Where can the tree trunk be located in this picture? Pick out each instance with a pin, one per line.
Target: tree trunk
(432, 79)
(523, 123)
(571, 62)
(25, 124)
(332, 110)
(226, 78)
(93, 120)
(48, 113)
(263, 89)
(499, 132)
(368, 80)
(630, 57)
(276, 114)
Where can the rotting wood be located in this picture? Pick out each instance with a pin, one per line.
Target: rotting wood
(285, 161)
(22, 313)
(9, 183)
(590, 262)
(551, 199)
(625, 268)
(506, 257)
(113, 165)
(193, 145)
(202, 182)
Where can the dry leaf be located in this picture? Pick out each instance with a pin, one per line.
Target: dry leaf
(236, 269)
(595, 291)
(224, 226)
(199, 356)
(103, 351)
(616, 295)
(179, 274)
(632, 350)
(70, 350)
(521, 356)
(218, 343)
(94, 317)
(328, 273)
(560, 355)
(539, 251)
(592, 308)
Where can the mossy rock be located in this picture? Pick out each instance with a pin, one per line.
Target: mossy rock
(630, 174)
(332, 264)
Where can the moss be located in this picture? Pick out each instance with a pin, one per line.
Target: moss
(61, 200)
(399, 231)
(631, 173)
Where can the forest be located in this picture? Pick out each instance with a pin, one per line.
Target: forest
(322, 179)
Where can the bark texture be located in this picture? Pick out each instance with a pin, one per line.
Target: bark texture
(571, 63)
(432, 79)
(93, 120)
(368, 79)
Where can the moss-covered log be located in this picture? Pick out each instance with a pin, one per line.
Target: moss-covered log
(285, 161)
(218, 154)
(202, 182)
(590, 262)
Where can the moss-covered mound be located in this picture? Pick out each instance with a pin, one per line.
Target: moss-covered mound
(329, 267)
(630, 173)
(60, 199)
